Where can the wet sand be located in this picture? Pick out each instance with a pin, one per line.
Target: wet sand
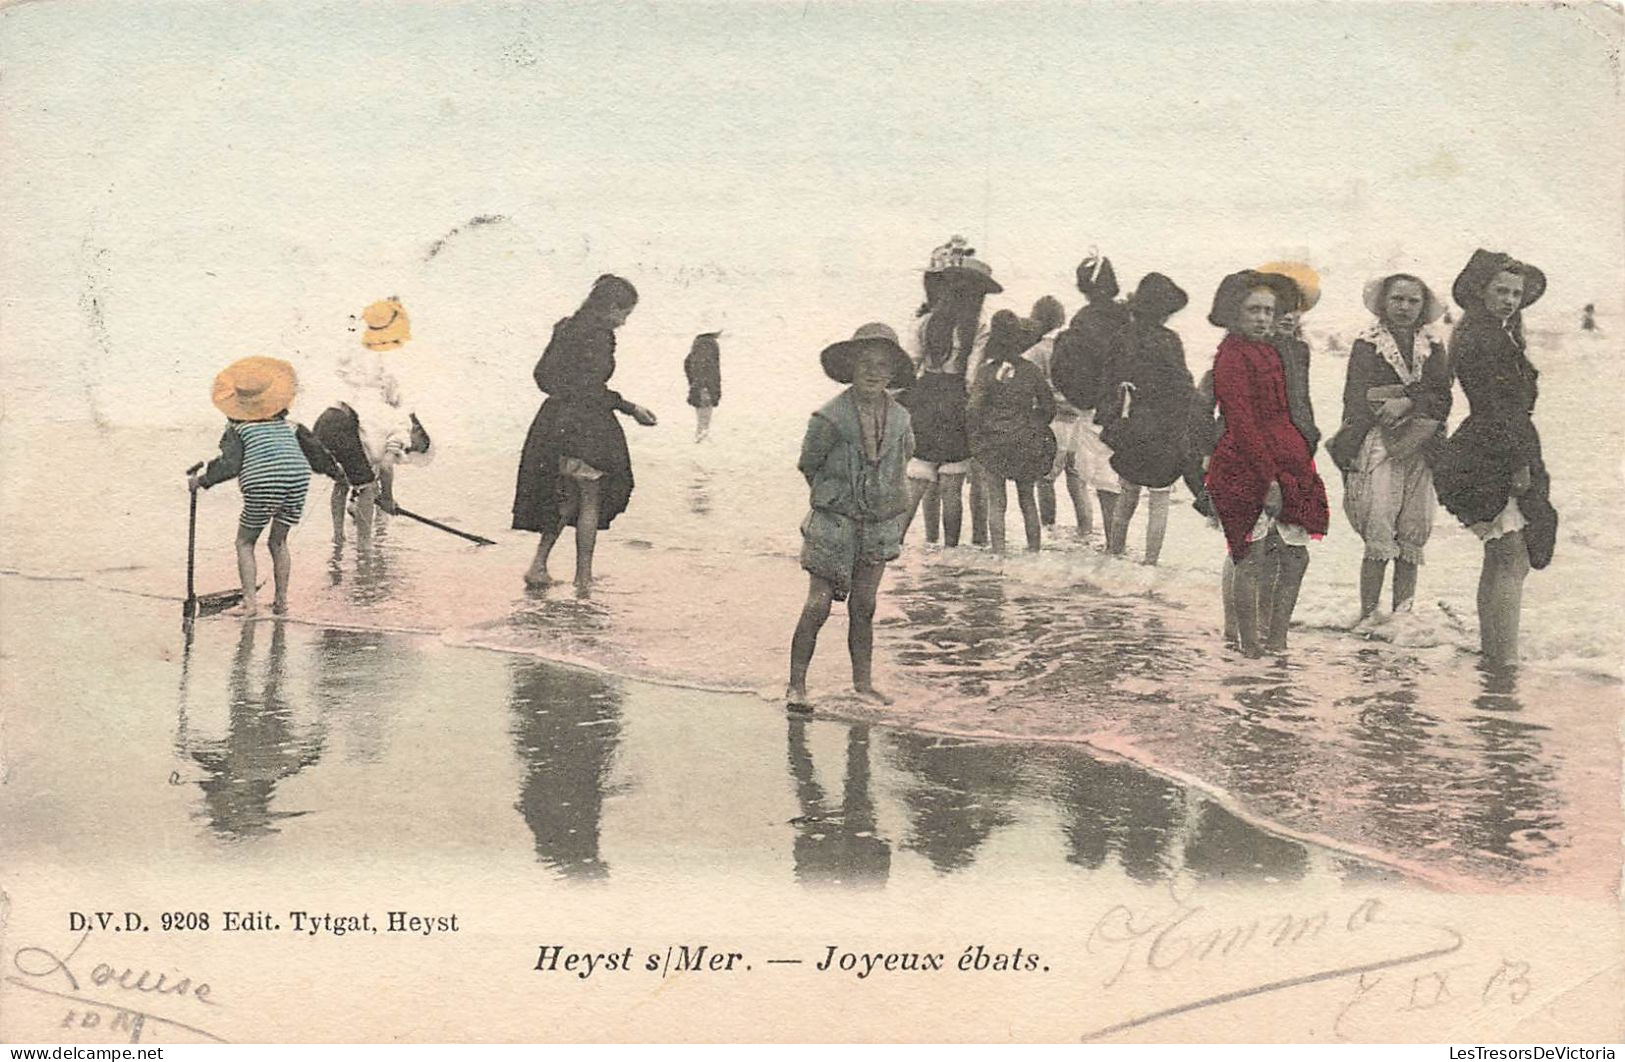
(276, 742)
(288, 740)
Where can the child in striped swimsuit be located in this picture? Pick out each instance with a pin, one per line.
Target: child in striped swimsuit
(271, 458)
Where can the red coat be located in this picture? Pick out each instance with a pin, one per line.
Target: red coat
(1260, 445)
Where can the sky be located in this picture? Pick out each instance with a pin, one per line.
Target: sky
(183, 184)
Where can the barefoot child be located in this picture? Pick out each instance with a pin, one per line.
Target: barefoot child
(1261, 478)
(270, 458)
(855, 458)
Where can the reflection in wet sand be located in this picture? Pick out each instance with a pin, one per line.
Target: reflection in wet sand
(1515, 815)
(699, 493)
(1115, 809)
(566, 727)
(359, 684)
(836, 845)
(262, 744)
(958, 794)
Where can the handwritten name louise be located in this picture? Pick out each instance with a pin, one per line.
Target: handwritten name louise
(44, 965)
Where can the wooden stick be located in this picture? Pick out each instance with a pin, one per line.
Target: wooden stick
(437, 524)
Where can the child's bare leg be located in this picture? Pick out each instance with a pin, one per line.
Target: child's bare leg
(702, 422)
(1500, 597)
(978, 507)
(247, 572)
(341, 495)
(992, 508)
(1404, 584)
(916, 491)
(1227, 588)
(537, 575)
(952, 491)
(1269, 573)
(1372, 572)
(1030, 515)
(1108, 511)
(813, 614)
(1156, 527)
(1080, 502)
(364, 498)
(1046, 501)
(1128, 499)
(860, 633)
(1291, 563)
(586, 529)
(933, 510)
(1246, 590)
(281, 565)
(386, 488)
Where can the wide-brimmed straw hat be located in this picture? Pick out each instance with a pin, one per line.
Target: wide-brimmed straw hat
(840, 359)
(1157, 296)
(254, 388)
(1233, 289)
(1433, 307)
(1481, 268)
(384, 325)
(1301, 274)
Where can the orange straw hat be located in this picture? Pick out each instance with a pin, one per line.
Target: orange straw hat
(1301, 274)
(386, 325)
(254, 388)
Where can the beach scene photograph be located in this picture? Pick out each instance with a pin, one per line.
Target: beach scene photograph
(1106, 520)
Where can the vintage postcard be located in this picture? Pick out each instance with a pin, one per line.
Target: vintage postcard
(1079, 522)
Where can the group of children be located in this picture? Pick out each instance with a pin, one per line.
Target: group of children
(357, 442)
(1110, 403)
(1107, 403)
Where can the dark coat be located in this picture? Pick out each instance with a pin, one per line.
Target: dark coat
(1295, 363)
(1148, 439)
(1366, 370)
(577, 420)
(1078, 366)
(1474, 470)
(1260, 445)
(936, 402)
(1009, 419)
(703, 367)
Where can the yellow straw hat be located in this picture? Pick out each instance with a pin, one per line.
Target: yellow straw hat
(386, 326)
(1301, 274)
(254, 388)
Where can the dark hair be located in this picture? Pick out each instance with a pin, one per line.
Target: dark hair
(957, 313)
(609, 292)
(935, 285)
(1049, 314)
(1006, 339)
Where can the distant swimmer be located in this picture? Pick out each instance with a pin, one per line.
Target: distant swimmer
(1588, 318)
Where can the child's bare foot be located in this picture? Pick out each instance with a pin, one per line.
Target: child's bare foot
(796, 699)
(279, 608)
(870, 695)
(246, 610)
(537, 580)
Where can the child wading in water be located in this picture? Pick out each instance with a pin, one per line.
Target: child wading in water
(270, 458)
(371, 429)
(855, 458)
(1261, 478)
